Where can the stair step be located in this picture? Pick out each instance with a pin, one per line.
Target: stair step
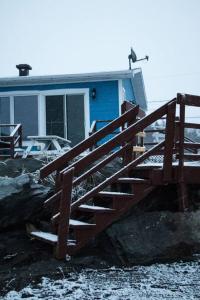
(80, 224)
(95, 209)
(50, 237)
(115, 194)
(133, 180)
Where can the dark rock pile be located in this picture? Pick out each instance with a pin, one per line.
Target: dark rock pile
(153, 231)
(21, 196)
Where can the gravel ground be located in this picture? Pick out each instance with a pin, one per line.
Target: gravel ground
(159, 281)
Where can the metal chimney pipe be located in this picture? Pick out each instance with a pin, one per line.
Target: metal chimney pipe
(23, 69)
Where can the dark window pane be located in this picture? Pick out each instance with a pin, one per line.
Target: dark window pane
(75, 118)
(54, 115)
(4, 115)
(26, 113)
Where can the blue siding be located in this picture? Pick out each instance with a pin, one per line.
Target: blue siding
(129, 93)
(105, 106)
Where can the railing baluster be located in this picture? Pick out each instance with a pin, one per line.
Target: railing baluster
(169, 142)
(182, 191)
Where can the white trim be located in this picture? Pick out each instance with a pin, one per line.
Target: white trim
(65, 116)
(12, 119)
(42, 106)
(19, 93)
(87, 112)
(120, 93)
(41, 115)
(64, 91)
(84, 92)
(65, 78)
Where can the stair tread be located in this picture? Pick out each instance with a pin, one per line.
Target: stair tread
(110, 194)
(132, 179)
(50, 237)
(95, 208)
(73, 222)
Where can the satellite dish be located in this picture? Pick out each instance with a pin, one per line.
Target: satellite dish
(133, 57)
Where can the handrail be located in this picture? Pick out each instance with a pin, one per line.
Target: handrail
(62, 161)
(189, 100)
(119, 173)
(119, 139)
(15, 130)
(108, 181)
(15, 137)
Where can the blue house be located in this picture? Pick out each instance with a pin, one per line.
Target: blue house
(66, 105)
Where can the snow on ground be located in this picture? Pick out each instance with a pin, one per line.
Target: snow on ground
(159, 281)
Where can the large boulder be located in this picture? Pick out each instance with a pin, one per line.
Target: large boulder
(15, 167)
(20, 200)
(154, 236)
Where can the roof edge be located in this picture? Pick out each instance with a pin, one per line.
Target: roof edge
(68, 78)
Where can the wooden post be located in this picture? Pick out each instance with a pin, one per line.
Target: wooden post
(12, 148)
(169, 142)
(65, 209)
(20, 136)
(129, 155)
(182, 189)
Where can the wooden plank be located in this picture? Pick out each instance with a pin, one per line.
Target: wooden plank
(192, 125)
(192, 100)
(139, 149)
(192, 145)
(95, 209)
(133, 180)
(169, 142)
(190, 156)
(64, 214)
(182, 191)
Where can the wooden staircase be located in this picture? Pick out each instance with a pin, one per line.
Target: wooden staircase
(76, 222)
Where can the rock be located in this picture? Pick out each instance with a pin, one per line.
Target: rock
(20, 200)
(154, 236)
(15, 167)
(9, 186)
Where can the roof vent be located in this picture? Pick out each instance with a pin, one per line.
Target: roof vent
(23, 69)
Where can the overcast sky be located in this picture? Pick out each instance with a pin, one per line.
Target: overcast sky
(78, 36)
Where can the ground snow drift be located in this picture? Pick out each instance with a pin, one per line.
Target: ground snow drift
(159, 281)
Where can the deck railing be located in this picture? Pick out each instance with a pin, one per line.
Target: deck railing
(8, 142)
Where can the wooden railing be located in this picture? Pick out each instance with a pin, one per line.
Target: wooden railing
(61, 162)
(8, 142)
(125, 141)
(121, 145)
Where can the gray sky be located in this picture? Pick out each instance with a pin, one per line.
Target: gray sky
(77, 36)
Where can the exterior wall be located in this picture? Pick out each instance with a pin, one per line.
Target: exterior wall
(105, 106)
(128, 90)
(139, 90)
